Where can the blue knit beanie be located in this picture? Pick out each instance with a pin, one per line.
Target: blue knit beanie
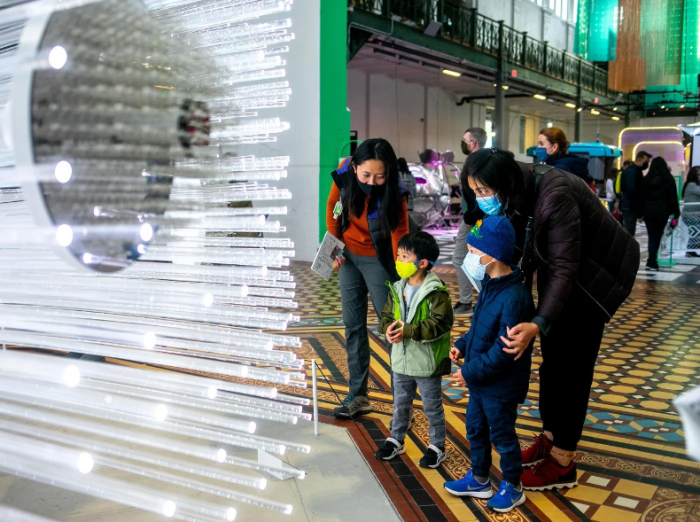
(494, 236)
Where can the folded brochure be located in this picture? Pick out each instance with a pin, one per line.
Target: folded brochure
(331, 247)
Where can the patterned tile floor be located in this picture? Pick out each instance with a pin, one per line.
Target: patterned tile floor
(631, 461)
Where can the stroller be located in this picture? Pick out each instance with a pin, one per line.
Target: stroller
(437, 197)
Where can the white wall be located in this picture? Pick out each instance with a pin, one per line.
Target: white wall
(410, 116)
(301, 142)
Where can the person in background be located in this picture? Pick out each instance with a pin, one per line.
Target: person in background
(497, 381)
(367, 210)
(631, 190)
(552, 149)
(610, 195)
(417, 321)
(474, 139)
(691, 187)
(691, 199)
(408, 181)
(659, 201)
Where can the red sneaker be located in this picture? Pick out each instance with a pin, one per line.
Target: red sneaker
(537, 452)
(549, 474)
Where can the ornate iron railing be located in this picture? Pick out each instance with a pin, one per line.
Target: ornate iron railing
(469, 28)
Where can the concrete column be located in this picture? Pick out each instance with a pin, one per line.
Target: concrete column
(499, 116)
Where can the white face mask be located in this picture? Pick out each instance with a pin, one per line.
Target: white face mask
(472, 266)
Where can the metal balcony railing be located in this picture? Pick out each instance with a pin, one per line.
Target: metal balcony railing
(469, 28)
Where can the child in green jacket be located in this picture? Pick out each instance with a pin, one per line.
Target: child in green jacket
(417, 321)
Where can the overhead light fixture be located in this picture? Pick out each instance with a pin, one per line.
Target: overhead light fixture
(570, 105)
(663, 106)
(595, 112)
(614, 108)
(505, 87)
(451, 73)
(580, 109)
(550, 125)
(540, 97)
(682, 106)
(495, 85)
(616, 118)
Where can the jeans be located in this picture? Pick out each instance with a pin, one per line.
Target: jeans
(359, 275)
(492, 421)
(465, 286)
(611, 206)
(569, 354)
(629, 221)
(431, 393)
(655, 231)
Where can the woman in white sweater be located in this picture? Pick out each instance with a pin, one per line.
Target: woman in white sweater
(610, 195)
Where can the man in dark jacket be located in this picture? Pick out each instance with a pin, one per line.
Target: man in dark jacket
(497, 382)
(631, 187)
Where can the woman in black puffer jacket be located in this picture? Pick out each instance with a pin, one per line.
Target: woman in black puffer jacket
(659, 202)
(586, 265)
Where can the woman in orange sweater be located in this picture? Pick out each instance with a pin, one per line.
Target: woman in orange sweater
(367, 210)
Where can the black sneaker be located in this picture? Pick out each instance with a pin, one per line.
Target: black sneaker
(391, 449)
(353, 406)
(433, 457)
(463, 309)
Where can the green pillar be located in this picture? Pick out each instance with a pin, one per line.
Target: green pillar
(335, 117)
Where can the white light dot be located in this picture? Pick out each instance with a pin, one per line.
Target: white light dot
(208, 300)
(161, 412)
(85, 463)
(97, 211)
(169, 508)
(141, 249)
(244, 291)
(108, 399)
(221, 455)
(149, 340)
(244, 372)
(58, 57)
(64, 235)
(288, 510)
(212, 392)
(251, 427)
(71, 376)
(263, 483)
(87, 258)
(283, 450)
(146, 232)
(63, 172)
(231, 514)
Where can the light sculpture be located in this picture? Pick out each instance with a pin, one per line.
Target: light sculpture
(127, 233)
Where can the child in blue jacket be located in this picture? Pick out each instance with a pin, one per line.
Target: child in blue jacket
(497, 381)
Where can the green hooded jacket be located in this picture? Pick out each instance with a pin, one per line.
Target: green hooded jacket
(425, 350)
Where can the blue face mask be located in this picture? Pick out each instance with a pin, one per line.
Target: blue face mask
(541, 154)
(490, 205)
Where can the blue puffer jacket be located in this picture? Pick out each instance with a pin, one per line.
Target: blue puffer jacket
(503, 302)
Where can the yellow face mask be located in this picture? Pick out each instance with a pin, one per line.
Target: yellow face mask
(406, 270)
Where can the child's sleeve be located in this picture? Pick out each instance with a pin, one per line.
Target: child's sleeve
(438, 324)
(489, 364)
(461, 343)
(387, 315)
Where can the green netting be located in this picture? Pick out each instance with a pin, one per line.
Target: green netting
(661, 45)
(582, 24)
(602, 30)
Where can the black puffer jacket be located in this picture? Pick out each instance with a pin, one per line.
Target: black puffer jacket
(576, 242)
(660, 197)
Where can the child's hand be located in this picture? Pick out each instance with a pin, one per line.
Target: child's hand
(394, 333)
(455, 355)
(459, 378)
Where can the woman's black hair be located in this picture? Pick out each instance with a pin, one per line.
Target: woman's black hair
(612, 174)
(390, 208)
(658, 167)
(497, 170)
(693, 177)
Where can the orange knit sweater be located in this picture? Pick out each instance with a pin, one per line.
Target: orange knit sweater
(356, 236)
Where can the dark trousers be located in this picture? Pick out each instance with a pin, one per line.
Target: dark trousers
(569, 353)
(492, 421)
(629, 221)
(358, 276)
(655, 231)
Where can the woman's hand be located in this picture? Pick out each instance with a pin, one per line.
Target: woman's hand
(459, 378)
(339, 261)
(455, 355)
(519, 338)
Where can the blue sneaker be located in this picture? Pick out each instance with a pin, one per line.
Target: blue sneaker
(507, 498)
(469, 487)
